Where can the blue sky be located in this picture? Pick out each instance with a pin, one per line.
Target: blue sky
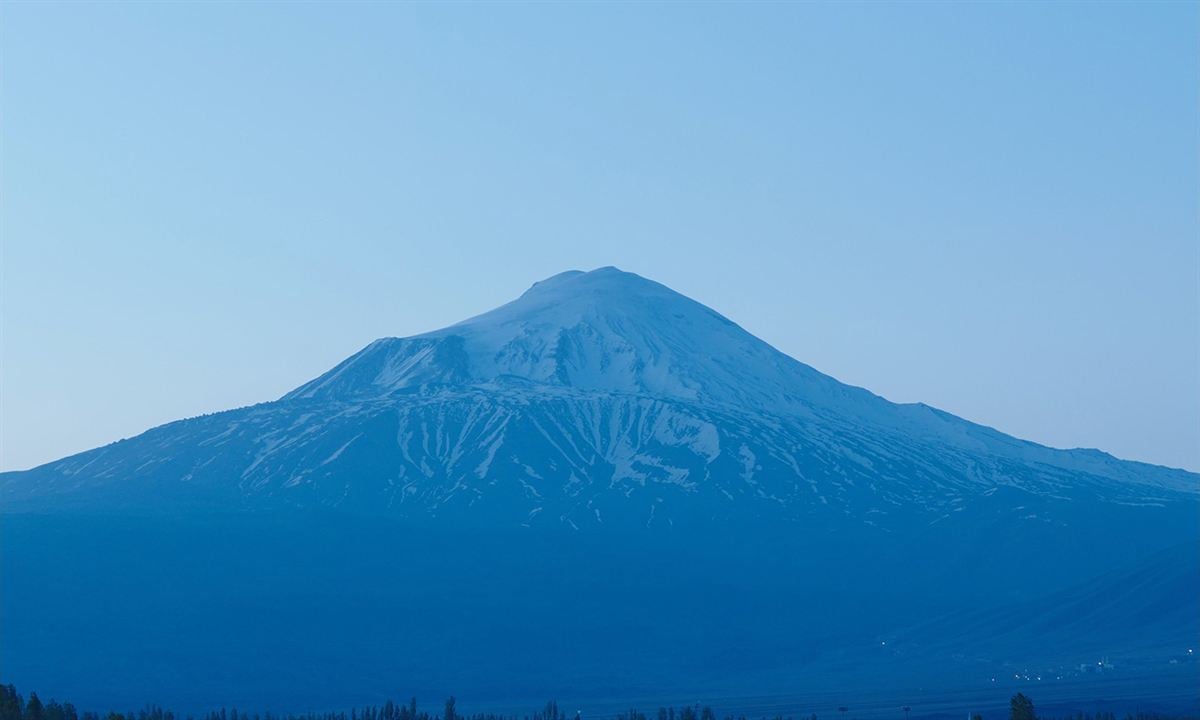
(991, 208)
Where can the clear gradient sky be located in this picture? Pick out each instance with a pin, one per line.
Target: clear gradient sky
(991, 208)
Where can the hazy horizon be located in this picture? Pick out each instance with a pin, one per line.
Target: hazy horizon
(898, 198)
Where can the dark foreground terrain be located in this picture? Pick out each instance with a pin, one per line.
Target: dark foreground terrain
(296, 612)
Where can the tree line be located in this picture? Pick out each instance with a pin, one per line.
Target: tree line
(14, 707)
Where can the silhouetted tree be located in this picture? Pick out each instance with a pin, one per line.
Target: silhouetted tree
(11, 705)
(34, 709)
(1021, 708)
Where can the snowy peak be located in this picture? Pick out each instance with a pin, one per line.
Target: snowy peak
(595, 397)
(604, 330)
(638, 310)
(605, 291)
(608, 334)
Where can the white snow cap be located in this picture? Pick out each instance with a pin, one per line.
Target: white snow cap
(605, 330)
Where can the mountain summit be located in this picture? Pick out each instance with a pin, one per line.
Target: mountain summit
(604, 330)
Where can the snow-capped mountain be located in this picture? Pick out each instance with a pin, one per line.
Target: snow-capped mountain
(601, 489)
(594, 397)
